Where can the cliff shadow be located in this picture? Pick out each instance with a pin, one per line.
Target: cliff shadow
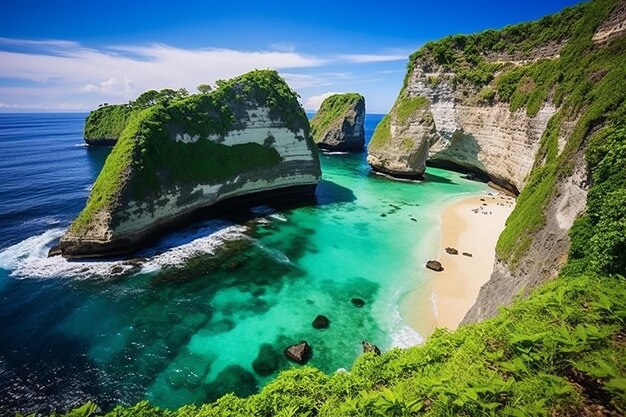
(462, 148)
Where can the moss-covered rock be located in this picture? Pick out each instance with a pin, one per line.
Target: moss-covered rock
(174, 158)
(338, 124)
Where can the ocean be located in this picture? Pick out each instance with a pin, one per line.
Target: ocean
(186, 323)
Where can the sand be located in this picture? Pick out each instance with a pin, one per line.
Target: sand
(470, 225)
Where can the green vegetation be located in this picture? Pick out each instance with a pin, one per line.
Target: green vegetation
(598, 103)
(333, 110)
(402, 110)
(382, 134)
(561, 351)
(107, 122)
(148, 160)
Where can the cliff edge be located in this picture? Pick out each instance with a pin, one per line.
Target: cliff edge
(338, 124)
(531, 107)
(247, 138)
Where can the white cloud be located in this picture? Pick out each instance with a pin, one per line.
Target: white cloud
(366, 58)
(313, 103)
(112, 86)
(49, 74)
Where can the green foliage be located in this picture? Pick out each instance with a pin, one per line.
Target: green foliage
(148, 159)
(107, 122)
(204, 88)
(589, 84)
(333, 111)
(153, 97)
(545, 355)
(404, 108)
(382, 134)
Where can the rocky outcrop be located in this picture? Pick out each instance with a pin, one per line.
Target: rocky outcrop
(105, 124)
(400, 143)
(338, 124)
(299, 353)
(370, 348)
(612, 27)
(246, 140)
(448, 129)
(321, 322)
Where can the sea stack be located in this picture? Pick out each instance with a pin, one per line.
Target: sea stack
(243, 142)
(338, 124)
(400, 144)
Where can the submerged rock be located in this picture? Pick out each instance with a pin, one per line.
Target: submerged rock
(358, 302)
(299, 353)
(338, 124)
(233, 379)
(246, 141)
(267, 361)
(434, 265)
(370, 348)
(452, 251)
(321, 322)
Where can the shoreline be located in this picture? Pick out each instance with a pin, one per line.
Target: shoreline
(471, 225)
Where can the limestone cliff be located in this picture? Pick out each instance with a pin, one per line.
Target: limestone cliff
(338, 124)
(247, 138)
(522, 105)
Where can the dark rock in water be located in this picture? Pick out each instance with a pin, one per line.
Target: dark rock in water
(467, 254)
(383, 215)
(413, 219)
(299, 353)
(267, 361)
(321, 322)
(358, 302)
(54, 251)
(434, 265)
(452, 251)
(136, 262)
(233, 379)
(117, 270)
(369, 347)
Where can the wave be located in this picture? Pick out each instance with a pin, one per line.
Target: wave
(29, 258)
(403, 336)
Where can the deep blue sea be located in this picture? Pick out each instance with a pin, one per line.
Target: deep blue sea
(183, 328)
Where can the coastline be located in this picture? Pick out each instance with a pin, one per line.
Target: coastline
(470, 225)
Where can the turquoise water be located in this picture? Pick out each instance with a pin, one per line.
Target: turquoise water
(186, 323)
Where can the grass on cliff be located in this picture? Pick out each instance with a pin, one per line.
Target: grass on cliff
(402, 110)
(332, 111)
(107, 122)
(147, 160)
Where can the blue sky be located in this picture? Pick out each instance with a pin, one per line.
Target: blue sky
(71, 56)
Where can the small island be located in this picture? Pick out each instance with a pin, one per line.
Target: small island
(246, 140)
(338, 124)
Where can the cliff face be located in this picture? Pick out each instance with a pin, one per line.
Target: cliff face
(400, 143)
(531, 106)
(249, 136)
(338, 124)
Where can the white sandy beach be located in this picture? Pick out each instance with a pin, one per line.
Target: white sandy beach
(471, 225)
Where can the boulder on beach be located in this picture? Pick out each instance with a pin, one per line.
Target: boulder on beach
(434, 265)
(467, 254)
(452, 251)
